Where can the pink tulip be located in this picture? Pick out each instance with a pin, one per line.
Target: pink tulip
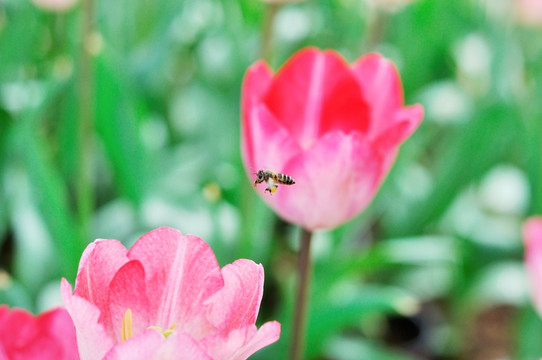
(532, 238)
(50, 335)
(166, 298)
(335, 128)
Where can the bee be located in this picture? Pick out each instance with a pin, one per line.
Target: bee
(272, 179)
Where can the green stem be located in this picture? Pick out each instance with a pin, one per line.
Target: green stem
(84, 190)
(301, 303)
(267, 33)
(376, 27)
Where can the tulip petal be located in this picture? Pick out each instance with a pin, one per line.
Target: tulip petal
(3, 353)
(236, 304)
(140, 347)
(99, 263)
(381, 87)
(128, 292)
(316, 92)
(241, 343)
(50, 335)
(255, 84)
(181, 273)
(272, 142)
(335, 179)
(532, 236)
(388, 141)
(92, 339)
(151, 345)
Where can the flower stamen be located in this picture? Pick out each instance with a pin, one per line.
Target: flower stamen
(126, 327)
(165, 332)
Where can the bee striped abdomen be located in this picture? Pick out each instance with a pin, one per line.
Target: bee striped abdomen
(284, 179)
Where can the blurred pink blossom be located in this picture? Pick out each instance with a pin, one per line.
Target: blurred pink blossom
(49, 335)
(166, 298)
(528, 12)
(532, 238)
(334, 127)
(55, 5)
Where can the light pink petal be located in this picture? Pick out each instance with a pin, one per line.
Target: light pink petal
(99, 263)
(151, 345)
(181, 346)
(255, 84)
(128, 291)
(532, 236)
(50, 335)
(241, 343)
(181, 273)
(335, 179)
(316, 92)
(140, 347)
(272, 144)
(92, 339)
(382, 89)
(236, 305)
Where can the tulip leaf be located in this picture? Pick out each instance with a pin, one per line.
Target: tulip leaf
(117, 111)
(528, 333)
(484, 141)
(344, 348)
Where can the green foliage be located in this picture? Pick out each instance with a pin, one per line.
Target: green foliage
(439, 247)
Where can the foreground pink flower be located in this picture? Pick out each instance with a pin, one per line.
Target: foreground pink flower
(532, 238)
(166, 298)
(334, 128)
(23, 336)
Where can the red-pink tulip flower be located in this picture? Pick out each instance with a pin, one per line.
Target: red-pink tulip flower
(50, 335)
(166, 298)
(532, 237)
(335, 128)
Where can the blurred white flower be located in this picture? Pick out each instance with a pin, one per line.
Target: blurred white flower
(55, 5)
(281, 1)
(390, 5)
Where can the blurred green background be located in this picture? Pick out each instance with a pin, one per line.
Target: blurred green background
(141, 130)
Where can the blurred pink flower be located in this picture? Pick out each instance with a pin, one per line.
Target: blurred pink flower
(166, 298)
(528, 12)
(55, 5)
(23, 336)
(335, 128)
(532, 237)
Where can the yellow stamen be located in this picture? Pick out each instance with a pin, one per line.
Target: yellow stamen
(166, 332)
(126, 328)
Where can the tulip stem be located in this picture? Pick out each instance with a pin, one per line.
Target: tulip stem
(375, 31)
(301, 303)
(267, 33)
(84, 190)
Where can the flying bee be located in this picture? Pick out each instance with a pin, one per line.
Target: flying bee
(272, 180)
